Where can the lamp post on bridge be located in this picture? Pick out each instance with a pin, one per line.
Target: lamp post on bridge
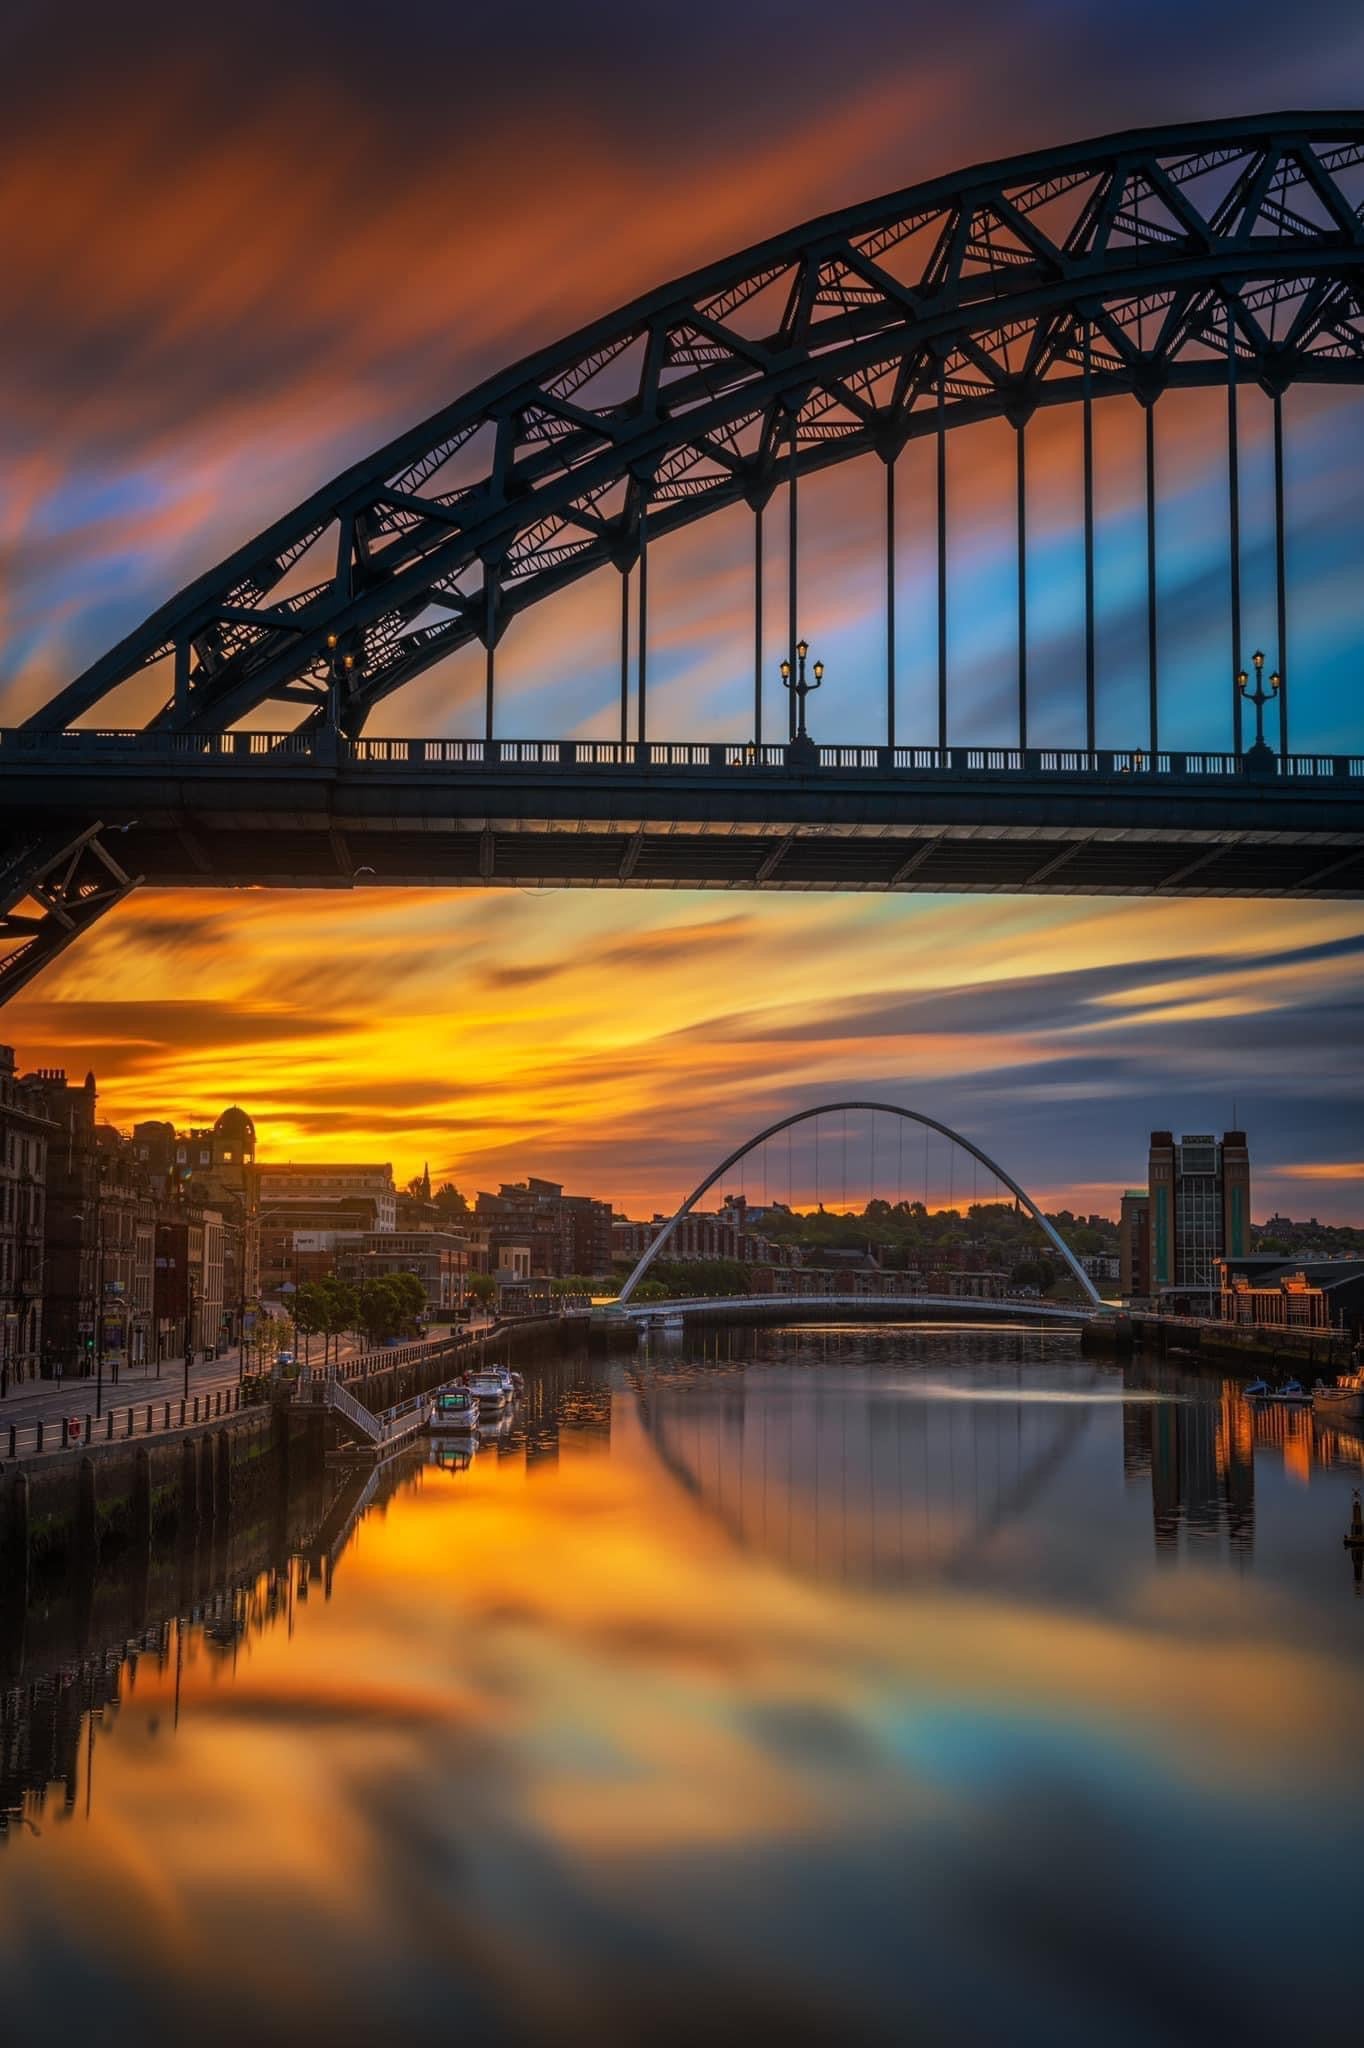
(801, 751)
(1260, 760)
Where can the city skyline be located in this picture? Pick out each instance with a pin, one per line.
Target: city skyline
(570, 1030)
(1132, 1019)
(928, 1176)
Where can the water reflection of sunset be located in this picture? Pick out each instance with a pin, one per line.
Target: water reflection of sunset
(578, 1663)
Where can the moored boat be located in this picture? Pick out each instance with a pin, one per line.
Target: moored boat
(1344, 1402)
(491, 1389)
(454, 1412)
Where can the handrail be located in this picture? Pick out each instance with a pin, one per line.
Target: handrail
(386, 1427)
(330, 751)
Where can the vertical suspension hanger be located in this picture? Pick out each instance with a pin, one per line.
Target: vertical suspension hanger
(1234, 523)
(890, 603)
(490, 629)
(1281, 580)
(624, 656)
(641, 699)
(942, 554)
(1152, 586)
(793, 562)
(758, 629)
(1021, 431)
(1091, 722)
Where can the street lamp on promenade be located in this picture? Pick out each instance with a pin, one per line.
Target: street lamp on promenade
(1260, 760)
(189, 1319)
(99, 1298)
(82, 1217)
(801, 751)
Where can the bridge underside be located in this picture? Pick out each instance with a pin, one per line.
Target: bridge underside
(216, 823)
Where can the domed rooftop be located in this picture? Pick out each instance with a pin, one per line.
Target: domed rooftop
(235, 1127)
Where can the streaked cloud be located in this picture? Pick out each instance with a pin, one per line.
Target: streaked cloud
(240, 255)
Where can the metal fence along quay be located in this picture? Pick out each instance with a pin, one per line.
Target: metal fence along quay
(78, 1427)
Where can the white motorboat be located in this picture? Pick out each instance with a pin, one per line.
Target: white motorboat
(454, 1412)
(672, 1320)
(492, 1390)
(1344, 1402)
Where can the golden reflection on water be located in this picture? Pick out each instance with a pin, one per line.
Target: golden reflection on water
(535, 1689)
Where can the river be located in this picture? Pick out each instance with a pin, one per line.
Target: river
(887, 1684)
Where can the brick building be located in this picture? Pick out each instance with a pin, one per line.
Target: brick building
(564, 1233)
(25, 1130)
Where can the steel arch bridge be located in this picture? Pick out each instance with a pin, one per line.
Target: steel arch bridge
(895, 1109)
(1228, 254)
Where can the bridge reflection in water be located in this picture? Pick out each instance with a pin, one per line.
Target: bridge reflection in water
(875, 1477)
(884, 1476)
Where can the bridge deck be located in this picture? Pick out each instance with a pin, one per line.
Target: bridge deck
(770, 1307)
(285, 811)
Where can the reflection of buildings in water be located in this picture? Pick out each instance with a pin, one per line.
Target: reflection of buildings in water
(1302, 1441)
(866, 1480)
(566, 1402)
(41, 1725)
(46, 1718)
(1199, 1454)
(47, 1722)
(1199, 1457)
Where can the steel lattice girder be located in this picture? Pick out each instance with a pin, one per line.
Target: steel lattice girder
(71, 881)
(980, 294)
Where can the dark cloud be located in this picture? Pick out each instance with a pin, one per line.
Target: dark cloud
(527, 976)
(136, 1033)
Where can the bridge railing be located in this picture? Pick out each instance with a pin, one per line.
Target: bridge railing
(329, 750)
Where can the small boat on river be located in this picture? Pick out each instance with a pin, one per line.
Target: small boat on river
(492, 1390)
(1292, 1394)
(1344, 1402)
(454, 1412)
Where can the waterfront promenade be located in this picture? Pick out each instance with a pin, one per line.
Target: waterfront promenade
(212, 1387)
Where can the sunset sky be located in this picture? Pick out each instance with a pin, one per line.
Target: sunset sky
(236, 261)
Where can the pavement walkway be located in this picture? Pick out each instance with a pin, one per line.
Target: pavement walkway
(48, 1400)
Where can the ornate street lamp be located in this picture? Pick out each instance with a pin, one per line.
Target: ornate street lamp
(801, 751)
(1260, 759)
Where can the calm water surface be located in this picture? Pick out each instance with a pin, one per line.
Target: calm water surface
(863, 1685)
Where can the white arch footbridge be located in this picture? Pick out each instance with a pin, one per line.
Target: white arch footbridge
(896, 1109)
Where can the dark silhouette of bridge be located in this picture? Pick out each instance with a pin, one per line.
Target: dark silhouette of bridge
(1226, 256)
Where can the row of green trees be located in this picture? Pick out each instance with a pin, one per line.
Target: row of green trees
(381, 1308)
(915, 1232)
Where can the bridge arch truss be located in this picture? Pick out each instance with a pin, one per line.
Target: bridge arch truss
(1225, 253)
